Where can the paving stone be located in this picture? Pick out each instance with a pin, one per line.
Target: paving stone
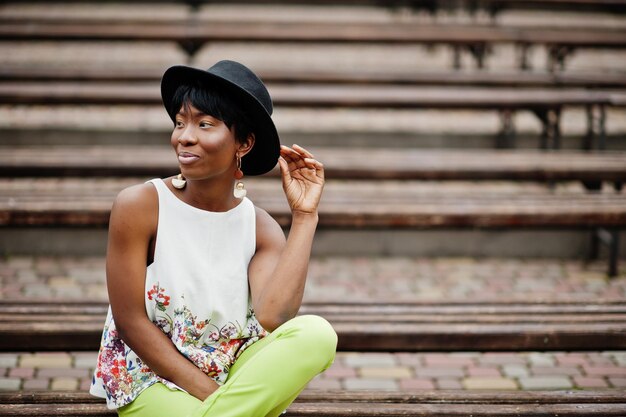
(447, 383)
(474, 371)
(447, 360)
(545, 382)
(36, 384)
(555, 370)
(64, 384)
(387, 372)
(324, 384)
(501, 358)
(22, 372)
(416, 384)
(340, 371)
(63, 372)
(571, 360)
(20, 261)
(617, 382)
(10, 384)
(487, 383)
(411, 359)
(85, 384)
(27, 276)
(46, 360)
(8, 360)
(86, 359)
(541, 359)
(438, 372)
(369, 359)
(590, 382)
(38, 291)
(604, 371)
(370, 383)
(515, 370)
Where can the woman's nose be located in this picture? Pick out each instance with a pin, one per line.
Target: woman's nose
(187, 138)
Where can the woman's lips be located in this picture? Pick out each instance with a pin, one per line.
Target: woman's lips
(187, 158)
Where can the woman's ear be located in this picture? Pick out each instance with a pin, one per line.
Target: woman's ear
(245, 147)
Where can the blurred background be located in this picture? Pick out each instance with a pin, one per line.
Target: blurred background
(475, 153)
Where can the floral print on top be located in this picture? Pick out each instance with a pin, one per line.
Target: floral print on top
(196, 291)
(211, 348)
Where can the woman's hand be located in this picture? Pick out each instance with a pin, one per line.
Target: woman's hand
(303, 179)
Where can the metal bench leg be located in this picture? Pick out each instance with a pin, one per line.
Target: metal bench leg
(557, 55)
(551, 133)
(190, 48)
(456, 58)
(523, 51)
(506, 136)
(613, 253)
(611, 239)
(479, 51)
(596, 127)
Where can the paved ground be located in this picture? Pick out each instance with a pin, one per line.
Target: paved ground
(364, 279)
(355, 278)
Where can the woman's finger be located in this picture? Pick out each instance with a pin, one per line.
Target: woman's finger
(303, 151)
(295, 157)
(284, 169)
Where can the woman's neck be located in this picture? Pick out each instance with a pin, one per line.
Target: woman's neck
(210, 194)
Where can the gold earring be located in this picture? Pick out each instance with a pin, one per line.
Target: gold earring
(179, 182)
(240, 190)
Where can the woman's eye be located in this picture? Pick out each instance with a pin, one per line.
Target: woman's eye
(179, 123)
(205, 124)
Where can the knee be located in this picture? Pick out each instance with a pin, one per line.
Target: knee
(318, 337)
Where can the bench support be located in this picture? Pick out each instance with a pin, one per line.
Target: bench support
(478, 51)
(557, 55)
(596, 127)
(551, 134)
(190, 47)
(609, 238)
(506, 136)
(523, 51)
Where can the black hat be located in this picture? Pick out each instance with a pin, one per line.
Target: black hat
(248, 91)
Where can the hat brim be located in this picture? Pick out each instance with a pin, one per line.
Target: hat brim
(263, 156)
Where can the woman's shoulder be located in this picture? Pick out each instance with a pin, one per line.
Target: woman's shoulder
(267, 228)
(138, 198)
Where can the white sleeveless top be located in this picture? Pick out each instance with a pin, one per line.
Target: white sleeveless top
(196, 292)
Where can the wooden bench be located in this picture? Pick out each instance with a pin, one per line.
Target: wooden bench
(546, 104)
(70, 202)
(491, 6)
(312, 403)
(506, 325)
(580, 79)
(339, 163)
(191, 35)
(399, 204)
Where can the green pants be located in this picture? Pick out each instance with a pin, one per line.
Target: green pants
(265, 379)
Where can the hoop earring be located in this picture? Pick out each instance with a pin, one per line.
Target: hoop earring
(179, 182)
(240, 190)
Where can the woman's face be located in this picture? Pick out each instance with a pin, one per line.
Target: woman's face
(204, 145)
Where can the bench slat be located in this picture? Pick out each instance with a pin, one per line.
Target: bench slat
(359, 409)
(365, 327)
(340, 163)
(320, 76)
(345, 204)
(201, 32)
(316, 95)
(340, 396)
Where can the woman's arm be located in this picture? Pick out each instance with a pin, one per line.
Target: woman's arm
(278, 271)
(133, 223)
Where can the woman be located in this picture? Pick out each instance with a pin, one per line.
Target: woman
(203, 286)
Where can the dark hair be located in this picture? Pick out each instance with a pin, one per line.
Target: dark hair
(216, 102)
